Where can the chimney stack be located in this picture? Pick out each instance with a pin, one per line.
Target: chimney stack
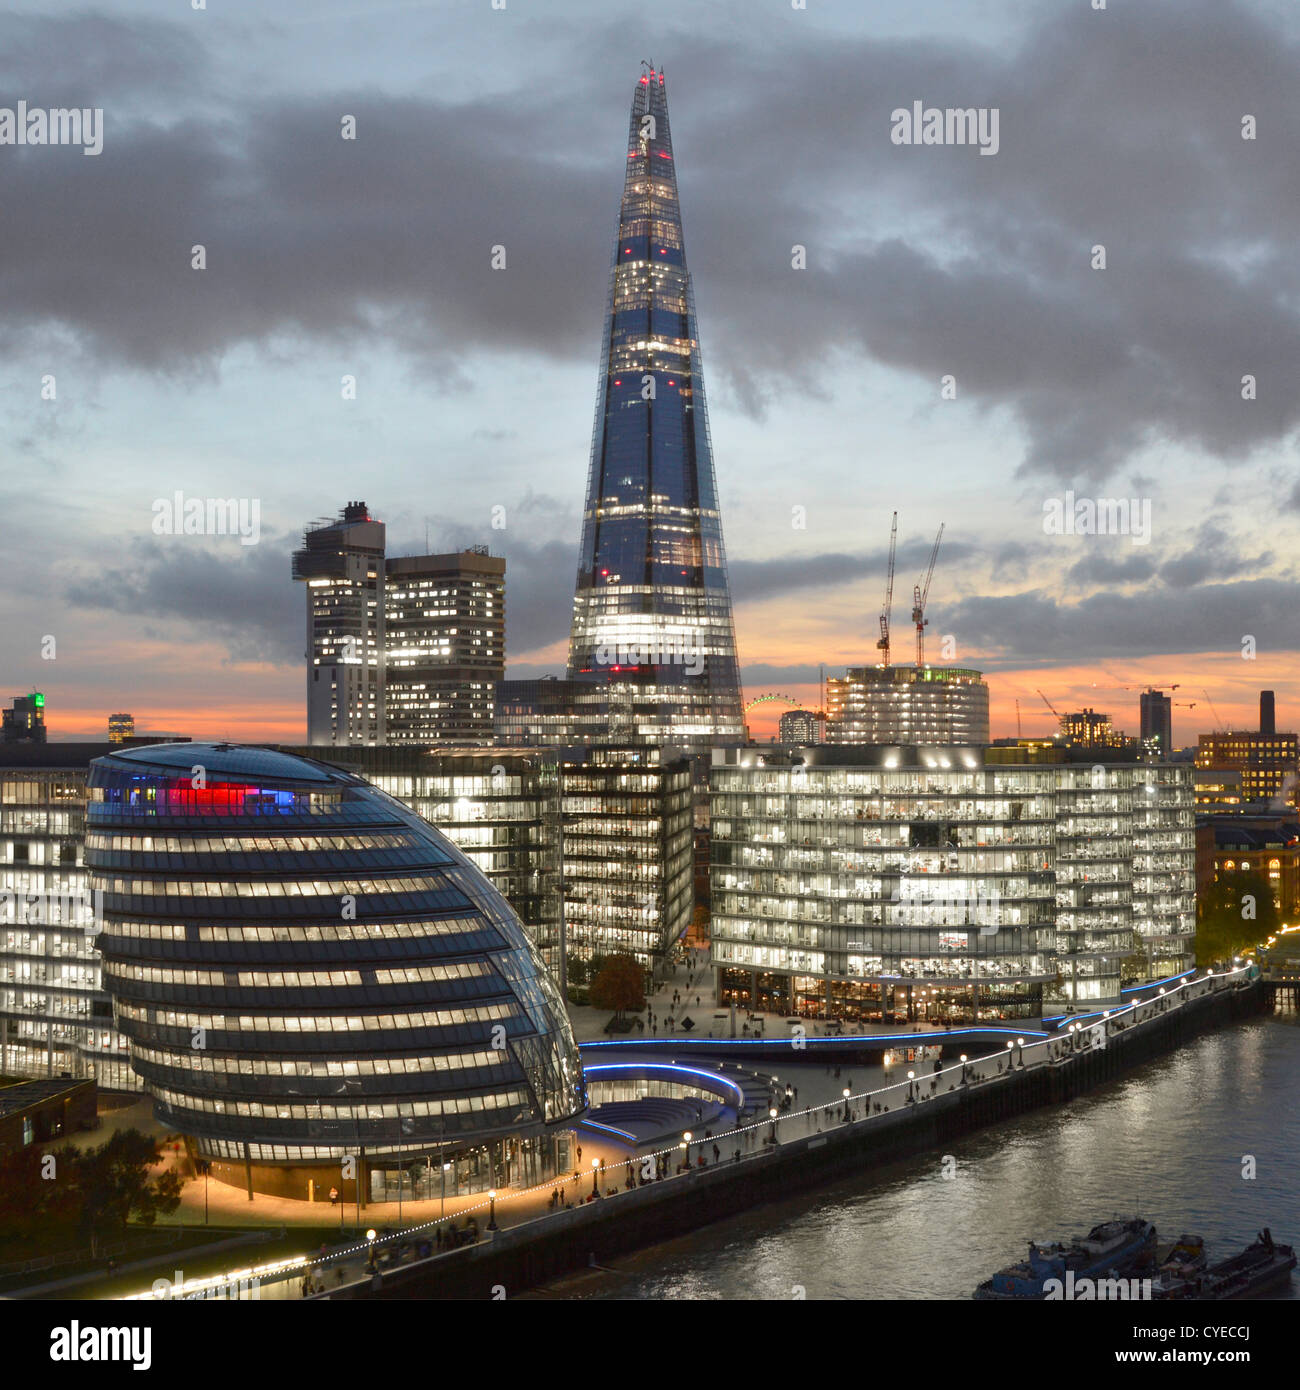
(1267, 716)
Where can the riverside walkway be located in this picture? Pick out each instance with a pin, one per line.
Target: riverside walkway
(627, 1173)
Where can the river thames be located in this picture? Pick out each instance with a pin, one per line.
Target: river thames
(1171, 1142)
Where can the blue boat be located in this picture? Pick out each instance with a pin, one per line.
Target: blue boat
(1113, 1249)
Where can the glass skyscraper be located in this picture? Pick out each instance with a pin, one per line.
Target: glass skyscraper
(652, 608)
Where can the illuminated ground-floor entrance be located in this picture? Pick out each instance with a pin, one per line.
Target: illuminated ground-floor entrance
(879, 1001)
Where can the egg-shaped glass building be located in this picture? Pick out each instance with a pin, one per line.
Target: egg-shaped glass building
(309, 975)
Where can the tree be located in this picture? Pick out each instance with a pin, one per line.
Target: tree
(1238, 910)
(115, 1183)
(619, 984)
(39, 1202)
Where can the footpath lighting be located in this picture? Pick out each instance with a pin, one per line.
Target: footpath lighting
(845, 1094)
(492, 1209)
(595, 1173)
(911, 1077)
(1020, 1043)
(965, 1077)
(687, 1136)
(370, 1237)
(772, 1113)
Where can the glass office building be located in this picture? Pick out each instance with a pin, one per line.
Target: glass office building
(652, 608)
(55, 1020)
(907, 705)
(307, 972)
(945, 883)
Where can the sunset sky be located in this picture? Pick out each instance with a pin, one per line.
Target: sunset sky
(475, 387)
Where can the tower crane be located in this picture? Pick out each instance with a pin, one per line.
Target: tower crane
(883, 644)
(1049, 704)
(1213, 711)
(919, 597)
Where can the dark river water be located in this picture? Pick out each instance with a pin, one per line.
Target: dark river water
(1168, 1142)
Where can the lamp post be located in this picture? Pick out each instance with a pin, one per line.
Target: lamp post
(965, 1077)
(845, 1094)
(442, 1210)
(370, 1236)
(595, 1170)
(772, 1115)
(492, 1209)
(1020, 1043)
(911, 1075)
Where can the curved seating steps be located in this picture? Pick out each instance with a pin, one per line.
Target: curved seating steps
(657, 1115)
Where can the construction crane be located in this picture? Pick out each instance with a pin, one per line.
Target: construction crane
(883, 644)
(1049, 704)
(919, 597)
(1213, 711)
(1018, 734)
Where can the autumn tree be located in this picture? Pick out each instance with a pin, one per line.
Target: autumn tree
(1238, 910)
(619, 984)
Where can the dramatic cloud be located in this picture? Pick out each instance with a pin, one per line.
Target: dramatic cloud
(1122, 131)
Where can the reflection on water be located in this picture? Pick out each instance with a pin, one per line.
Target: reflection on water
(1167, 1143)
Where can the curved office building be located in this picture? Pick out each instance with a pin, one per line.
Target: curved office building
(306, 971)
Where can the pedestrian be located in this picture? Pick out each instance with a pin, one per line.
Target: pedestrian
(334, 1196)
(717, 1153)
(579, 1153)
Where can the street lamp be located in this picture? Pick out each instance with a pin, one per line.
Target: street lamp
(1020, 1043)
(910, 1077)
(492, 1209)
(772, 1114)
(442, 1212)
(964, 1076)
(370, 1236)
(845, 1094)
(687, 1136)
(595, 1169)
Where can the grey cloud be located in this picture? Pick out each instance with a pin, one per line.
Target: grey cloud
(1018, 629)
(946, 263)
(242, 595)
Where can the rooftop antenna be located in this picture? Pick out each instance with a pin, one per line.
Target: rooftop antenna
(883, 643)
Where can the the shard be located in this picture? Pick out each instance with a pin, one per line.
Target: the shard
(652, 609)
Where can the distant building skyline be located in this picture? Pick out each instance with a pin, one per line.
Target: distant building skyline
(466, 389)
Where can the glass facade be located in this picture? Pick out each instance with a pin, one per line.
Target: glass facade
(927, 883)
(445, 646)
(342, 565)
(302, 966)
(907, 705)
(628, 839)
(54, 1018)
(652, 608)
